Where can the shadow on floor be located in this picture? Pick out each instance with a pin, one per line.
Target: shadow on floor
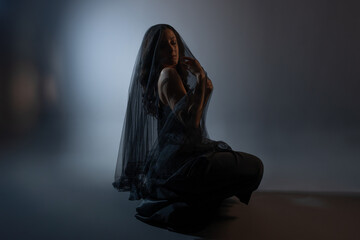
(284, 215)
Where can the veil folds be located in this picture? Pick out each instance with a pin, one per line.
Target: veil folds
(151, 134)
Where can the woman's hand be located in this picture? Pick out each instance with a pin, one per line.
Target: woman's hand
(208, 87)
(193, 66)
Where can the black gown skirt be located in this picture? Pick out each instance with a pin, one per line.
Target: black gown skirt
(201, 185)
(187, 177)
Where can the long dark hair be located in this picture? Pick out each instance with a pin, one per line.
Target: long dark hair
(146, 129)
(150, 68)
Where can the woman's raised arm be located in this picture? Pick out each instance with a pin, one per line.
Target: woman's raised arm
(171, 90)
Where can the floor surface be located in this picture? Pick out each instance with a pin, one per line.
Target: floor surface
(45, 199)
(282, 215)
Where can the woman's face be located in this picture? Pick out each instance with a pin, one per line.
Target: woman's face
(168, 52)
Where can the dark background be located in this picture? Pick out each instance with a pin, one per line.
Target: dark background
(286, 88)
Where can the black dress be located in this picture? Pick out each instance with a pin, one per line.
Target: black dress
(165, 164)
(188, 170)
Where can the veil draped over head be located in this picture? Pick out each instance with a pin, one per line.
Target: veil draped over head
(150, 134)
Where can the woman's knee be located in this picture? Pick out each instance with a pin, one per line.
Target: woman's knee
(261, 169)
(255, 166)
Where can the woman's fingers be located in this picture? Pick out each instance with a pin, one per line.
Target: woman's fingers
(189, 58)
(184, 61)
(185, 64)
(189, 63)
(192, 65)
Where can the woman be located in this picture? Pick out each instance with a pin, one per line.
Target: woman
(166, 157)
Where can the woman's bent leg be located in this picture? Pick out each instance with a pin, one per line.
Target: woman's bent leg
(228, 174)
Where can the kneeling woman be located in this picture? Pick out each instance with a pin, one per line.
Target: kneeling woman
(166, 157)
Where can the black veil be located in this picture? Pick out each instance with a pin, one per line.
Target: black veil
(150, 135)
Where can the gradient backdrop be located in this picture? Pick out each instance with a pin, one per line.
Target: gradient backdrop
(286, 88)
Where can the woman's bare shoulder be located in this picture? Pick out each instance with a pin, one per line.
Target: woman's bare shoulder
(170, 86)
(168, 73)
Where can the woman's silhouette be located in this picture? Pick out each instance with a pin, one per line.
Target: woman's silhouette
(166, 157)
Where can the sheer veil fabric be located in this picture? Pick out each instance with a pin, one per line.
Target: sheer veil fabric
(157, 151)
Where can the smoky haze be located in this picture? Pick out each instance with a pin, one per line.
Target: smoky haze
(285, 76)
(286, 89)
